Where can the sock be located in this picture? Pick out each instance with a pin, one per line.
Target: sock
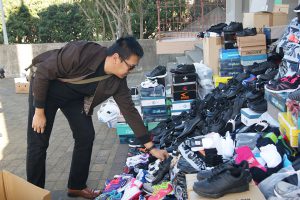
(245, 153)
(270, 154)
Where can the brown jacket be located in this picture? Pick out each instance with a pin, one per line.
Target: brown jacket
(77, 59)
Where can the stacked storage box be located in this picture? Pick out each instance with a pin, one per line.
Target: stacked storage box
(230, 62)
(184, 91)
(153, 102)
(252, 49)
(123, 129)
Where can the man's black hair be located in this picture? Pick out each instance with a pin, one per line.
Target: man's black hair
(125, 47)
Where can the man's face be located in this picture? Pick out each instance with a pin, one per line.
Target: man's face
(124, 66)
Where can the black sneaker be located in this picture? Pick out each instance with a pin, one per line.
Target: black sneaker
(163, 170)
(289, 85)
(184, 69)
(2, 73)
(134, 142)
(233, 27)
(247, 32)
(259, 106)
(232, 180)
(157, 72)
(268, 75)
(219, 169)
(218, 28)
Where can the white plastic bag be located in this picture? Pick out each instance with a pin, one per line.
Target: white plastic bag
(108, 111)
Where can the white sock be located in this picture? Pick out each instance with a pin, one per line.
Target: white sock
(270, 154)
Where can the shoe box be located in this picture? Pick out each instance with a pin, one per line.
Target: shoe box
(230, 45)
(251, 59)
(218, 79)
(184, 91)
(152, 125)
(211, 47)
(180, 106)
(250, 41)
(293, 114)
(155, 118)
(21, 85)
(253, 50)
(15, 187)
(253, 193)
(228, 54)
(185, 95)
(272, 111)
(184, 78)
(227, 73)
(277, 99)
(157, 91)
(153, 101)
(154, 110)
(249, 117)
(288, 129)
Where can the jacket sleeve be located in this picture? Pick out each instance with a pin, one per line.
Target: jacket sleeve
(131, 115)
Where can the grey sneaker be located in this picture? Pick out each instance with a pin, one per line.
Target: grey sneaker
(295, 95)
(286, 190)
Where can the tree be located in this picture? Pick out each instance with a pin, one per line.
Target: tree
(63, 23)
(21, 25)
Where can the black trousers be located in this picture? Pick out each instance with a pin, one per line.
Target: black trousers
(71, 104)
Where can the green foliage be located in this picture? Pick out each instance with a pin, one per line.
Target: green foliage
(63, 23)
(21, 26)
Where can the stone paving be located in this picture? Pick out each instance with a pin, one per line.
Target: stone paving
(108, 156)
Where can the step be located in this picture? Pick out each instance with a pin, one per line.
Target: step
(183, 60)
(199, 46)
(195, 55)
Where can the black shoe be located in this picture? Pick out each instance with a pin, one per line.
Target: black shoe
(229, 181)
(184, 69)
(163, 170)
(218, 28)
(219, 169)
(254, 95)
(259, 106)
(233, 27)
(189, 126)
(268, 75)
(157, 72)
(247, 32)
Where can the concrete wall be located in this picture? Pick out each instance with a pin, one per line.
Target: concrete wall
(15, 58)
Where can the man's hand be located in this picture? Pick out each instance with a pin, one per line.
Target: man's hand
(160, 154)
(39, 120)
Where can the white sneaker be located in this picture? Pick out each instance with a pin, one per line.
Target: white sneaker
(149, 83)
(132, 191)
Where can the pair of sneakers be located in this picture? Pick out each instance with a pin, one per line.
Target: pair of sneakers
(149, 83)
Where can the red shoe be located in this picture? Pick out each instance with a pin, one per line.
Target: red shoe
(86, 193)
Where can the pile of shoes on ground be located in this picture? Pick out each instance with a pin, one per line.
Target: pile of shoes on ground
(211, 141)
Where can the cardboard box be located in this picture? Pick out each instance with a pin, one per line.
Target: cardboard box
(249, 117)
(153, 101)
(252, 194)
(181, 105)
(284, 8)
(257, 20)
(13, 187)
(288, 129)
(21, 85)
(211, 47)
(279, 19)
(255, 50)
(252, 41)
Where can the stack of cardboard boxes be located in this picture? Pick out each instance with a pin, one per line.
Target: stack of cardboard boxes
(252, 49)
(184, 91)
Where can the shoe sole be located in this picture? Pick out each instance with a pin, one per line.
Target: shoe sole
(282, 91)
(155, 77)
(218, 195)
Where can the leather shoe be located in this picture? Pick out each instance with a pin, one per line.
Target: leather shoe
(86, 193)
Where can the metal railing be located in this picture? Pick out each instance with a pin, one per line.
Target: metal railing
(185, 18)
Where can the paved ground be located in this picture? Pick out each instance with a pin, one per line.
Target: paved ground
(108, 156)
